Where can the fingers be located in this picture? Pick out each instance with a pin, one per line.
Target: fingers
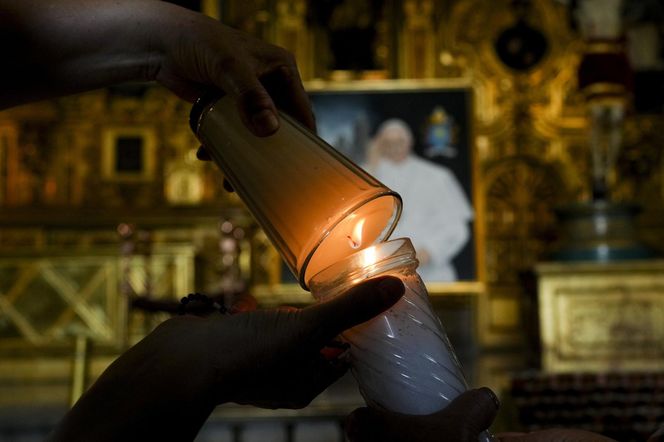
(480, 405)
(256, 108)
(234, 75)
(324, 321)
(463, 420)
(285, 87)
(281, 87)
(258, 111)
(256, 90)
(203, 155)
(248, 69)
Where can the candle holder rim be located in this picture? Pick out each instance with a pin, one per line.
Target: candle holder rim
(206, 103)
(403, 254)
(200, 108)
(391, 225)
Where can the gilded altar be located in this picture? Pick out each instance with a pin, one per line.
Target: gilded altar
(602, 317)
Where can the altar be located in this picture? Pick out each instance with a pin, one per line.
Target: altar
(601, 317)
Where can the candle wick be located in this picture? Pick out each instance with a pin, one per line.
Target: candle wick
(354, 244)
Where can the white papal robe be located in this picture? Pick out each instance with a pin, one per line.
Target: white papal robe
(436, 211)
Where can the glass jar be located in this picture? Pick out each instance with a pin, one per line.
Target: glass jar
(315, 205)
(402, 359)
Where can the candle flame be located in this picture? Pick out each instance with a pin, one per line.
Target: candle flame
(355, 238)
(369, 256)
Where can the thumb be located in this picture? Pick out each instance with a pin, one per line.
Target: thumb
(254, 104)
(324, 321)
(257, 111)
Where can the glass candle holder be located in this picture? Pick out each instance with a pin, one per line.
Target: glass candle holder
(315, 205)
(402, 359)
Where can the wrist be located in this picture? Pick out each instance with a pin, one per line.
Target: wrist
(163, 30)
(143, 49)
(140, 391)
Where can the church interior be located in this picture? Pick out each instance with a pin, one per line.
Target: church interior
(548, 113)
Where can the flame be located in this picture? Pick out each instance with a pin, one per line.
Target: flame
(369, 256)
(355, 238)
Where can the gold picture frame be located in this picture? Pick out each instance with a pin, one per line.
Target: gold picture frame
(144, 146)
(278, 288)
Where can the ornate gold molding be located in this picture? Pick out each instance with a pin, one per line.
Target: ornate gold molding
(602, 317)
(417, 55)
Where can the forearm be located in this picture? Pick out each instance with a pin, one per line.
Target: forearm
(165, 386)
(58, 48)
(157, 390)
(121, 411)
(54, 48)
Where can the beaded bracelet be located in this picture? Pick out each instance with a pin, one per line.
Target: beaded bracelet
(204, 300)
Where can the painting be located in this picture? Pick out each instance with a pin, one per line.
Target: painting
(416, 138)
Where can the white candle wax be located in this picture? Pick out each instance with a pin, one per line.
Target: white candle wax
(402, 359)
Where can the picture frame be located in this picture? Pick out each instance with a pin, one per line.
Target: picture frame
(439, 114)
(128, 154)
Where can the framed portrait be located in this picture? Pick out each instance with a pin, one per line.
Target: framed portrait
(416, 137)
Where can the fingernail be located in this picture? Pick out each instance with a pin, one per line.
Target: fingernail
(265, 122)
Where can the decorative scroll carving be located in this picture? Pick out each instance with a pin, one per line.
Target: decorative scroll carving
(418, 43)
(521, 191)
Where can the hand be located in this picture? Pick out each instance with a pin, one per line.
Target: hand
(554, 435)
(197, 53)
(273, 357)
(189, 364)
(267, 358)
(80, 45)
(463, 420)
